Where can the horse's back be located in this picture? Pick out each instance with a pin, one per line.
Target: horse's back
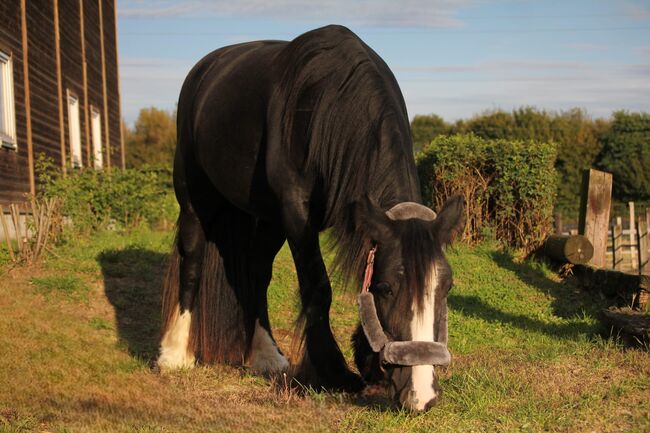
(258, 118)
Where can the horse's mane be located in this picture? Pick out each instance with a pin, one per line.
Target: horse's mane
(345, 117)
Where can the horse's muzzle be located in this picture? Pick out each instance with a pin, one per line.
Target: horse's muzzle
(399, 353)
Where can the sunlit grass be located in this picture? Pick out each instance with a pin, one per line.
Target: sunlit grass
(80, 330)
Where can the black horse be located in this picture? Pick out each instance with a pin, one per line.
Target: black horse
(279, 141)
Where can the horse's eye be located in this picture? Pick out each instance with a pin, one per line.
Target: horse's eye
(384, 288)
(400, 271)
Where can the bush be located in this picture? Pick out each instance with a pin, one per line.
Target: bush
(626, 154)
(509, 186)
(95, 200)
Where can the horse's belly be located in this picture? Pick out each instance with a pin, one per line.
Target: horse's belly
(231, 150)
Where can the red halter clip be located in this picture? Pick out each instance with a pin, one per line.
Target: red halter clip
(367, 278)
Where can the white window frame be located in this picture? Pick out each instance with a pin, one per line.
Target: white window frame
(7, 102)
(74, 129)
(96, 128)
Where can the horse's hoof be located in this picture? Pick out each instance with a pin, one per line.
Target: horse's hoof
(348, 382)
(354, 383)
(265, 358)
(175, 360)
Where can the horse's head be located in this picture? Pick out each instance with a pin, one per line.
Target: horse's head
(410, 282)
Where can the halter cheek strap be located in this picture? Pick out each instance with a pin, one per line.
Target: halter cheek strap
(367, 277)
(394, 352)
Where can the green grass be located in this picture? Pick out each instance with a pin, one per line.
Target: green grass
(69, 286)
(81, 329)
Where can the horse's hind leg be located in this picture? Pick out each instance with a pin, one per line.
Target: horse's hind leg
(263, 355)
(175, 350)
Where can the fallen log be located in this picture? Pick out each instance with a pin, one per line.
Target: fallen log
(631, 288)
(630, 323)
(574, 249)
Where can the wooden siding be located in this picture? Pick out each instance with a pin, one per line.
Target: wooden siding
(14, 169)
(112, 83)
(46, 128)
(42, 80)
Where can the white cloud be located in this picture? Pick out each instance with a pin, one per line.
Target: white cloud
(636, 10)
(599, 88)
(391, 13)
(451, 90)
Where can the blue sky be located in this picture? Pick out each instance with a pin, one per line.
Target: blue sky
(455, 58)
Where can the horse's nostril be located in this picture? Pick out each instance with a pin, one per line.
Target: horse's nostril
(410, 401)
(434, 401)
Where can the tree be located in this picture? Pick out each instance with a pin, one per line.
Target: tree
(490, 125)
(579, 140)
(153, 139)
(425, 128)
(626, 154)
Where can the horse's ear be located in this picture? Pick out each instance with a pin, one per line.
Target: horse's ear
(450, 220)
(368, 217)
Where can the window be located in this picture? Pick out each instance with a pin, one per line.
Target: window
(75, 129)
(7, 105)
(96, 124)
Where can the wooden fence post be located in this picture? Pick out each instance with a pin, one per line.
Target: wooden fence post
(558, 224)
(617, 246)
(642, 236)
(595, 205)
(647, 224)
(633, 253)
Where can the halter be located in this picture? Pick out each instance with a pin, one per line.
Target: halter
(367, 278)
(405, 353)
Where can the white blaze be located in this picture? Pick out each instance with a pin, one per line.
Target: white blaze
(265, 357)
(174, 350)
(422, 330)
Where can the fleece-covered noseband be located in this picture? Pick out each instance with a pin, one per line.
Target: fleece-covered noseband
(405, 353)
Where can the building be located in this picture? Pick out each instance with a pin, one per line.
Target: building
(59, 89)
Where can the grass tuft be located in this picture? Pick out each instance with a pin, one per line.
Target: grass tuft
(68, 286)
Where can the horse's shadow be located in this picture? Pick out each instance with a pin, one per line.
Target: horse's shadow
(132, 283)
(569, 301)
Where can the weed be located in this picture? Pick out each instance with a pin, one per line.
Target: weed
(98, 323)
(10, 422)
(69, 286)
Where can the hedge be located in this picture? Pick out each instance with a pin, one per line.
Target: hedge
(509, 186)
(121, 199)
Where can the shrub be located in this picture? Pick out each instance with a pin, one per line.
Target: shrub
(626, 154)
(509, 186)
(95, 200)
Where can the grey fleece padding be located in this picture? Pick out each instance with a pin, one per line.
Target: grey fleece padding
(440, 329)
(370, 322)
(409, 209)
(416, 353)
(403, 352)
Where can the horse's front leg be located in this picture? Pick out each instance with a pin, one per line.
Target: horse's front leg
(323, 356)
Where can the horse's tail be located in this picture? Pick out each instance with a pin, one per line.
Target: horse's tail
(224, 308)
(171, 288)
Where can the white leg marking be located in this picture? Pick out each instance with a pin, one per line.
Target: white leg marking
(265, 357)
(422, 330)
(174, 350)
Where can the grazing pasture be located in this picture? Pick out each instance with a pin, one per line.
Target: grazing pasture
(78, 333)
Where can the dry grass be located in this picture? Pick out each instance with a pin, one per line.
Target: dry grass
(78, 333)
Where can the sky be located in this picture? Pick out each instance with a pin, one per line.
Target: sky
(454, 58)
